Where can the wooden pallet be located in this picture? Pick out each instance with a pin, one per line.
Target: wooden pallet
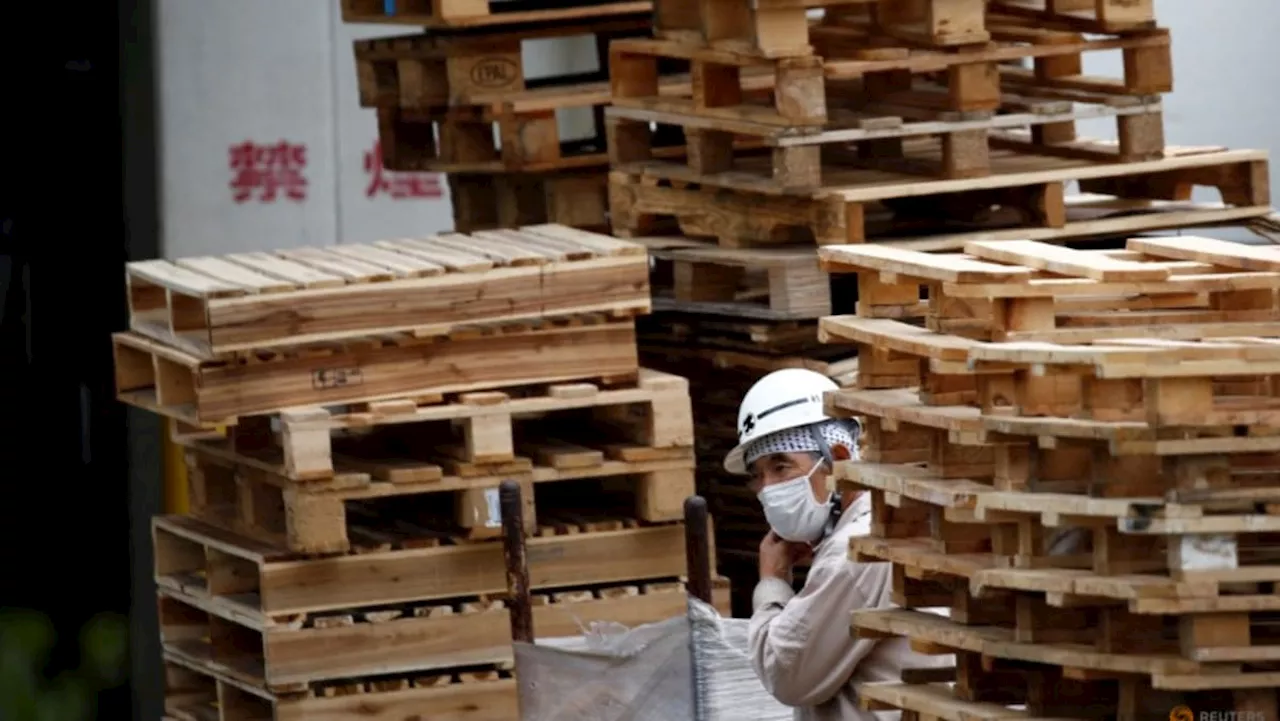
(248, 301)
(694, 332)
(196, 690)
(289, 655)
(988, 526)
(983, 690)
(868, 133)
(1180, 288)
(270, 583)
(353, 510)
(949, 441)
(206, 393)
(512, 131)
(576, 199)
(1166, 671)
(474, 434)
(463, 67)
(1137, 398)
(484, 13)
(882, 95)
(748, 214)
(769, 284)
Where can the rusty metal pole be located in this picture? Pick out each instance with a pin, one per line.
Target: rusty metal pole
(697, 548)
(517, 560)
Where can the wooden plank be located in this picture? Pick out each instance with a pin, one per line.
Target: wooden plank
(231, 273)
(895, 335)
(915, 189)
(349, 268)
(947, 269)
(1210, 250)
(185, 281)
(433, 252)
(400, 263)
(601, 244)
(1065, 261)
(301, 275)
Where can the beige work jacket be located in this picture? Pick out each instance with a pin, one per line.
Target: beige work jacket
(801, 644)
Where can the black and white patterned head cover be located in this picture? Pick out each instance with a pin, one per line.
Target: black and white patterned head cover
(804, 440)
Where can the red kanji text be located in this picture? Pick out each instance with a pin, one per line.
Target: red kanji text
(398, 186)
(265, 173)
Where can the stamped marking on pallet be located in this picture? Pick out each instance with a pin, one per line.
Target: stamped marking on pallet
(494, 73)
(336, 377)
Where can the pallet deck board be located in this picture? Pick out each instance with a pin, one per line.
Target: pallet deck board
(214, 316)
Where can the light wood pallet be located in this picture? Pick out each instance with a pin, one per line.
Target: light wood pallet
(212, 306)
(983, 688)
(577, 199)
(290, 655)
(1174, 288)
(274, 632)
(473, 434)
(363, 510)
(483, 13)
(854, 106)
(199, 691)
(784, 29)
(741, 212)
(266, 584)
(202, 392)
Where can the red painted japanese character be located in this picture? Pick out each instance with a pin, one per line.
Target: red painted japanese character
(268, 169)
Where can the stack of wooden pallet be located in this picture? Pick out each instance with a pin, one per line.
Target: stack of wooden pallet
(459, 99)
(893, 119)
(917, 125)
(1077, 454)
(341, 551)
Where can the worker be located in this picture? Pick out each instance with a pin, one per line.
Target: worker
(801, 644)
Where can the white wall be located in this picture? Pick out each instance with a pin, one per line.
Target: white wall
(246, 70)
(1223, 86)
(233, 71)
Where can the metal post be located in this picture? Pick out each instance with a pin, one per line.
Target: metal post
(697, 548)
(517, 560)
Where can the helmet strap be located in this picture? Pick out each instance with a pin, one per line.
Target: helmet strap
(824, 448)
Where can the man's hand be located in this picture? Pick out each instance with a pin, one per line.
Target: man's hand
(778, 557)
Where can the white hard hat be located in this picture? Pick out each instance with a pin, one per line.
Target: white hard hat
(787, 398)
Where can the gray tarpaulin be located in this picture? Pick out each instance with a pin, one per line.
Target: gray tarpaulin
(693, 668)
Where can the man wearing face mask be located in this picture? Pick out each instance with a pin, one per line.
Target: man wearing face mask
(801, 644)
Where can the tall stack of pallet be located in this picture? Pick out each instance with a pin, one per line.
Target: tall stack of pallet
(459, 99)
(341, 549)
(895, 119)
(919, 125)
(1076, 453)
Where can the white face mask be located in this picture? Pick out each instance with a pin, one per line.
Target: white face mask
(793, 512)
